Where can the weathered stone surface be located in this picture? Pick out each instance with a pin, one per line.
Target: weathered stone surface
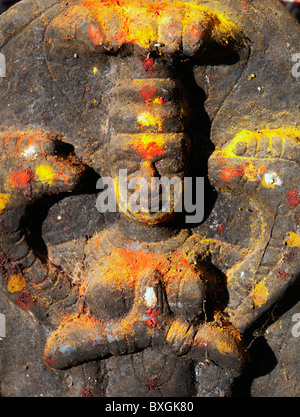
(148, 304)
(280, 369)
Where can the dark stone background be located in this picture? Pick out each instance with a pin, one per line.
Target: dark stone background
(5, 4)
(274, 372)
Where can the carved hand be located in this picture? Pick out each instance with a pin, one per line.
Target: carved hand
(32, 167)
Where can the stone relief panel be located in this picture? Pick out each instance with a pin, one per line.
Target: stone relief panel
(151, 296)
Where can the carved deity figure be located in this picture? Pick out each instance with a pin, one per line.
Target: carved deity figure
(153, 89)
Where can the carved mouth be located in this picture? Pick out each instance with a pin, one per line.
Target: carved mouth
(144, 210)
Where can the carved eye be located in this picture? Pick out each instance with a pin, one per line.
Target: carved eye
(240, 148)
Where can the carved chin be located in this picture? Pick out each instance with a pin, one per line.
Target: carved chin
(142, 213)
(151, 218)
(148, 217)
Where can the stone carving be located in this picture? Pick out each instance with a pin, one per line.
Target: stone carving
(156, 88)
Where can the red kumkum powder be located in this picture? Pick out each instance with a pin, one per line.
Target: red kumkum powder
(150, 150)
(147, 92)
(149, 65)
(22, 178)
(95, 34)
(293, 197)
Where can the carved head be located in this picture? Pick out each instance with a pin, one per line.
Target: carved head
(148, 149)
(155, 165)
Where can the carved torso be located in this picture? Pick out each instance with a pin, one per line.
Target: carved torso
(160, 89)
(114, 265)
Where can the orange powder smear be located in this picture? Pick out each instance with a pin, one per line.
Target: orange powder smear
(195, 33)
(129, 265)
(25, 300)
(147, 92)
(149, 146)
(148, 65)
(95, 3)
(229, 174)
(180, 265)
(95, 34)
(22, 178)
(158, 8)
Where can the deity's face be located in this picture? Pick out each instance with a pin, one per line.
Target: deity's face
(149, 158)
